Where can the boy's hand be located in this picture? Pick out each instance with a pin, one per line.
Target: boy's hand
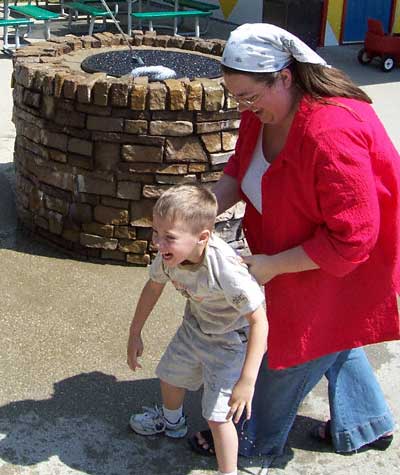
(135, 349)
(242, 395)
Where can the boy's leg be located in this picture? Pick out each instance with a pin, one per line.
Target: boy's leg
(153, 421)
(222, 357)
(172, 396)
(180, 366)
(226, 445)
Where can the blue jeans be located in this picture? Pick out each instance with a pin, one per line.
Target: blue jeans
(359, 413)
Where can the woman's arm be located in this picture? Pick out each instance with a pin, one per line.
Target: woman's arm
(227, 192)
(264, 268)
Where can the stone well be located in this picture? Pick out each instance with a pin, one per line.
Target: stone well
(93, 152)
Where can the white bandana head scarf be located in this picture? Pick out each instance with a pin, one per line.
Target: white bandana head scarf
(265, 48)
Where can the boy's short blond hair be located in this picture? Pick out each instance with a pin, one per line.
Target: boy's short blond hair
(195, 205)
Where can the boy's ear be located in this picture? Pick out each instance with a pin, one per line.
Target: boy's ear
(204, 236)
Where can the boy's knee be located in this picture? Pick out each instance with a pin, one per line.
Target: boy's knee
(217, 424)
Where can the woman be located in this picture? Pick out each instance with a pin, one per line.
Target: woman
(321, 181)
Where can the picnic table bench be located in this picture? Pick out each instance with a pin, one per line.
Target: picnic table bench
(15, 23)
(37, 13)
(195, 5)
(175, 14)
(116, 3)
(92, 13)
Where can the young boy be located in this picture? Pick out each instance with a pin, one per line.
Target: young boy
(224, 311)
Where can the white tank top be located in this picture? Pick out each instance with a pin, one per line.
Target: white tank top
(251, 183)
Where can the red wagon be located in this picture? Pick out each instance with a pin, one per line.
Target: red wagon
(377, 43)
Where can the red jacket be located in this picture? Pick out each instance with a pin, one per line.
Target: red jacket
(334, 190)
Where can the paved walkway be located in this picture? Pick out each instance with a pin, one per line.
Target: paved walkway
(65, 390)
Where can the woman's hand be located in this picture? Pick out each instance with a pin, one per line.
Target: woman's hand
(262, 267)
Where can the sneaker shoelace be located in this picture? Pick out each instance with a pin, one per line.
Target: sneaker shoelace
(153, 414)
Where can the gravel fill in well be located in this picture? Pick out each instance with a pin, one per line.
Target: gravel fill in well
(119, 63)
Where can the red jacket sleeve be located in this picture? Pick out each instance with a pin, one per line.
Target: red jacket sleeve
(347, 198)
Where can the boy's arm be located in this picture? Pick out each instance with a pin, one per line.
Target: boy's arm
(243, 391)
(148, 298)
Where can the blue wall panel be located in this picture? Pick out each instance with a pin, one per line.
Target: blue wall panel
(357, 13)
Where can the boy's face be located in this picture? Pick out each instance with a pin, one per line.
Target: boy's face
(177, 242)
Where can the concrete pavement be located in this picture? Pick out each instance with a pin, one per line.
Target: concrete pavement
(65, 390)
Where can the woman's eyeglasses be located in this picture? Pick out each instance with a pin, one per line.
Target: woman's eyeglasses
(248, 102)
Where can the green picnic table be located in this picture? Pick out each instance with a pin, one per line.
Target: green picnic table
(37, 13)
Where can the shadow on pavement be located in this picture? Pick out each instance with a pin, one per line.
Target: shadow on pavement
(84, 425)
(300, 438)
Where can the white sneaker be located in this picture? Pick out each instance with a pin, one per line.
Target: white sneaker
(152, 421)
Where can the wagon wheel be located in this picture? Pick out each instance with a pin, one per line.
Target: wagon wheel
(388, 63)
(363, 57)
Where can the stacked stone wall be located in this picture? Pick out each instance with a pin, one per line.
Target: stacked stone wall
(93, 153)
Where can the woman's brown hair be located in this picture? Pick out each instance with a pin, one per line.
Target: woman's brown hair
(320, 82)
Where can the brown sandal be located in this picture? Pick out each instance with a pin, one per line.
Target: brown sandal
(200, 448)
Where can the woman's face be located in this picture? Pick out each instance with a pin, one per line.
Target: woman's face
(272, 104)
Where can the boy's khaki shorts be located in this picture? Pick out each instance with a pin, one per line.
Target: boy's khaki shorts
(193, 359)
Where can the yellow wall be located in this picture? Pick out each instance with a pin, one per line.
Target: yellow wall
(335, 11)
(396, 24)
